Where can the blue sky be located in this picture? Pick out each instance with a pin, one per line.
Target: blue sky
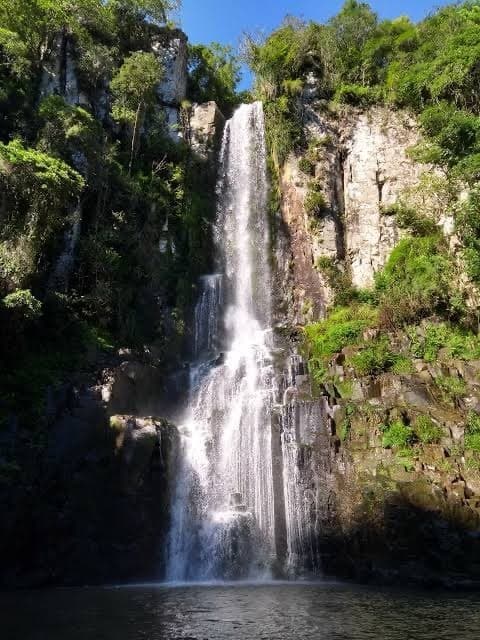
(225, 20)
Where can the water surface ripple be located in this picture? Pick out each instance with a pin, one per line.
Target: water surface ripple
(244, 612)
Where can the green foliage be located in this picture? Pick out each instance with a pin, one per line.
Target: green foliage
(347, 34)
(455, 133)
(426, 430)
(22, 304)
(374, 358)
(408, 218)
(283, 128)
(417, 281)
(307, 166)
(156, 10)
(339, 281)
(38, 190)
(70, 133)
(468, 227)
(403, 365)
(134, 90)
(427, 341)
(342, 328)
(36, 168)
(134, 85)
(472, 432)
(214, 73)
(356, 95)
(397, 435)
(315, 201)
(277, 60)
(452, 387)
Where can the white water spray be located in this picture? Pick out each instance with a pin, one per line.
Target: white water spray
(223, 512)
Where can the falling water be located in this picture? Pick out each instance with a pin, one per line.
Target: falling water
(223, 513)
(59, 280)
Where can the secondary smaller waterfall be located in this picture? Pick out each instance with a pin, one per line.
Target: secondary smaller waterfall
(60, 278)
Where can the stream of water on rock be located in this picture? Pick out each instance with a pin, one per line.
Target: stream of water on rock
(223, 513)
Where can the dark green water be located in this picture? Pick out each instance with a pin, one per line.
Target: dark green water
(267, 612)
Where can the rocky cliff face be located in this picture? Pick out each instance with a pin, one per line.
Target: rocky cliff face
(359, 161)
(362, 510)
(368, 510)
(96, 507)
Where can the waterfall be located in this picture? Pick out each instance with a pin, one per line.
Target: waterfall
(222, 522)
(60, 278)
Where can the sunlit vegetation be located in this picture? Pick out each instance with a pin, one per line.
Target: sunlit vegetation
(112, 156)
(430, 68)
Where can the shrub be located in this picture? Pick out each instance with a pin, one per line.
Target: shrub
(315, 201)
(374, 358)
(397, 435)
(426, 430)
(454, 131)
(459, 343)
(467, 222)
(23, 303)
(345, 429)
(472, 432)
(408, 218)
(403, 365)
(343, 327)
(452, 387)
(417, 281)
(306, 166)
(356, 95)
(338, 280)
(283, 128)
(406, 458)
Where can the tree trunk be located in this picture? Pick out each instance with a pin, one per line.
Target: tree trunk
(135, 136)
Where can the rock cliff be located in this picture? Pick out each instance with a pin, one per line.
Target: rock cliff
(374, 509)
(359, 162)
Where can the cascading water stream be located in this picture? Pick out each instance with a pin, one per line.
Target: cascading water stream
(223, 512)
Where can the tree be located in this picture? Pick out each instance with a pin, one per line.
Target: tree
(36, 22)
(134, 90)
(214, 74)
(348, 32)
(156, 10)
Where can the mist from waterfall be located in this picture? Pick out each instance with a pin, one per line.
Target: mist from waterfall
(223, 510)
